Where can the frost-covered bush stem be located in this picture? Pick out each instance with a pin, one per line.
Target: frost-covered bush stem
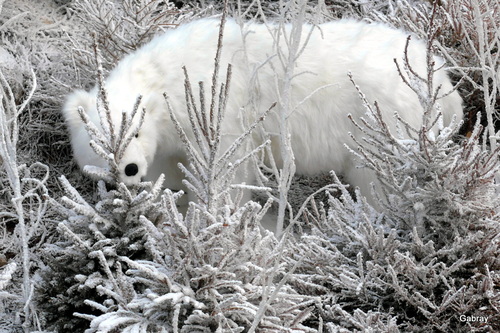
(288, 169)
(287, 58)
(489, 62)
(206, 125)
(9, 136)
(477, 25)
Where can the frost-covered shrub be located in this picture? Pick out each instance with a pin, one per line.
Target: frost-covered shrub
(136, 264)
(475, 28)
(82, 269)
(468, 38)
(429, 253)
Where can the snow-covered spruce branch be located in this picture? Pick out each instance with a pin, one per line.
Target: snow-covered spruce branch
(87, 270)
(87, 265)
(107, 141)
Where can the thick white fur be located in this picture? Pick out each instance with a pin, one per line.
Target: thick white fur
(319, 127)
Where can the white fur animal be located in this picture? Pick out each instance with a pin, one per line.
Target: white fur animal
(319, 127)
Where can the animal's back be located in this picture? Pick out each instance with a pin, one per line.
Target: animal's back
(320, 124)
(321, 93)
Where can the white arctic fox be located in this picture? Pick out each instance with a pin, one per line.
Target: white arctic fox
(319, 126)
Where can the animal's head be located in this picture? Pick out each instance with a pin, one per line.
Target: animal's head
(138, 155)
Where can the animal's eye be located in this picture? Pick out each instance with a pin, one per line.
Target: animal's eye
(137, 135)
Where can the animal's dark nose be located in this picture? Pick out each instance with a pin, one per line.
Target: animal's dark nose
(131, 169)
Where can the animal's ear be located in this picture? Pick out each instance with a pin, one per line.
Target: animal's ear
(78, 98)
